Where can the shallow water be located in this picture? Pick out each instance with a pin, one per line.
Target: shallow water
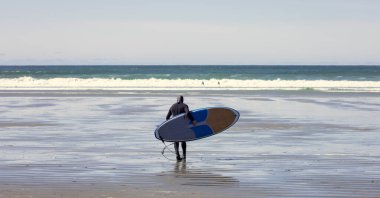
(290, 145)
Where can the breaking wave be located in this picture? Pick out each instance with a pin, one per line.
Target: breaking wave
(26, 83)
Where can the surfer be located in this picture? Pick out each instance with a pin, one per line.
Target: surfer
(176, 109)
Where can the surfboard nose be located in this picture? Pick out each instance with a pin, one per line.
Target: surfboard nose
(220, 118)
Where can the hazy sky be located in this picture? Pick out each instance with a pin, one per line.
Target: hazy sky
(189, 32)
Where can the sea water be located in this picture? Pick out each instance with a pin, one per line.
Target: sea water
(159, 77)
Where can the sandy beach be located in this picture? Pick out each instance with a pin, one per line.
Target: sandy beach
(101, 144)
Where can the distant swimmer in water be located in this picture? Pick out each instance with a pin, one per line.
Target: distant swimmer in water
(203, 83)
(218, 83)
(176, 109)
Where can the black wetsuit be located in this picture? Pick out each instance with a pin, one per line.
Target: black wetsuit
(179, 108)
(174, 110)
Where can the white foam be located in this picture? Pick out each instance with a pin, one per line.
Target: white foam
(184, 84)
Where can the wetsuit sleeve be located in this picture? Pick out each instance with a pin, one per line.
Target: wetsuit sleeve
(169, 114)
(188, 113)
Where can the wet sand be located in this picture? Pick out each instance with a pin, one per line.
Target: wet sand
(101, 144)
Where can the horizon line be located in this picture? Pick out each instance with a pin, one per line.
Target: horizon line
(9, 65)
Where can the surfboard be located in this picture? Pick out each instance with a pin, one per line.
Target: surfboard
(210, 121)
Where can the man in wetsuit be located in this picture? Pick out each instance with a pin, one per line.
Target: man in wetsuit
(176, 109)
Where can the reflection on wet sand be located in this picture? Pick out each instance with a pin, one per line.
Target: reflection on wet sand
(183, 175)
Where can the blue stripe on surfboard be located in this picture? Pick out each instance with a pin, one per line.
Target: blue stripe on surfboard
(202, 131)
(200, 115)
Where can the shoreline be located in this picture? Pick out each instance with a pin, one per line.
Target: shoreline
(226, 93)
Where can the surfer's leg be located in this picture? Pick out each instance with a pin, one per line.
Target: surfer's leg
(176, 148)
(183, 144)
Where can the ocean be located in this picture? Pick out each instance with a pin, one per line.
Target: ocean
(233, 77)
(71, 131)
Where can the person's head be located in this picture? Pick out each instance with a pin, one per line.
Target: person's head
(179, 99)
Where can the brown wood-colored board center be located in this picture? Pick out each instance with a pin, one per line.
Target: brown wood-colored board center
(219, 119)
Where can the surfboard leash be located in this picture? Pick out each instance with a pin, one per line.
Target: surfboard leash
(167, 147)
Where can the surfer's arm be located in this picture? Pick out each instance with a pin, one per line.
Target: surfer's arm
(188, 114)
(169, 114)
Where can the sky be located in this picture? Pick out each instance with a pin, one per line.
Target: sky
(57, 32)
